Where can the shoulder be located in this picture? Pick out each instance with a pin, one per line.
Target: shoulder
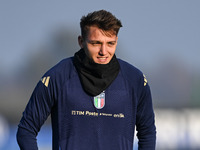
(64, 65)
(61, 71)
(134, 77)
(130, 71)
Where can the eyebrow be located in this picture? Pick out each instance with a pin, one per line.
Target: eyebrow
(96, 41)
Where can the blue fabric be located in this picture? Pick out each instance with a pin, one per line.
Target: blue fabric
(77, 124)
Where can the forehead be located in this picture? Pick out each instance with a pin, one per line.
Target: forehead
(95, 33)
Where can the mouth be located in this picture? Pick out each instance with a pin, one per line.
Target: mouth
(102, 59)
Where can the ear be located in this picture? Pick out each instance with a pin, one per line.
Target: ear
(80, 41)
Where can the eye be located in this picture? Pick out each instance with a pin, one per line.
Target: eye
(95, 43)
(111, 43)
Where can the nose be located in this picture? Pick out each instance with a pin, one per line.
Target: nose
(103, 50)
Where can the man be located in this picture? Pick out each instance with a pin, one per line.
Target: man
(95, 100)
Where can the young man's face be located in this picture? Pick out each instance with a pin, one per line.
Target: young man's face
(99, 46)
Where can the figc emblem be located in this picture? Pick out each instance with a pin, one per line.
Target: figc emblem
(99, 100)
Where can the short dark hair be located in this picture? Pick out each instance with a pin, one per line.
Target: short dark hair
(103, 20)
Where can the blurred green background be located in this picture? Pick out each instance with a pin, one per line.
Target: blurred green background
(161, 38)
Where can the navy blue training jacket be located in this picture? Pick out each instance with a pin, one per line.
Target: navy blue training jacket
(77, 124)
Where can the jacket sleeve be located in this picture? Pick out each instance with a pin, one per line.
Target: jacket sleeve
(35, 114)
(145, 123)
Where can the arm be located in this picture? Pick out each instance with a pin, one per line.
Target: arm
(145, 123)
(35, 114)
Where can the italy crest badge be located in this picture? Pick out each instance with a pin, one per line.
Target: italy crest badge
(99, 100)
